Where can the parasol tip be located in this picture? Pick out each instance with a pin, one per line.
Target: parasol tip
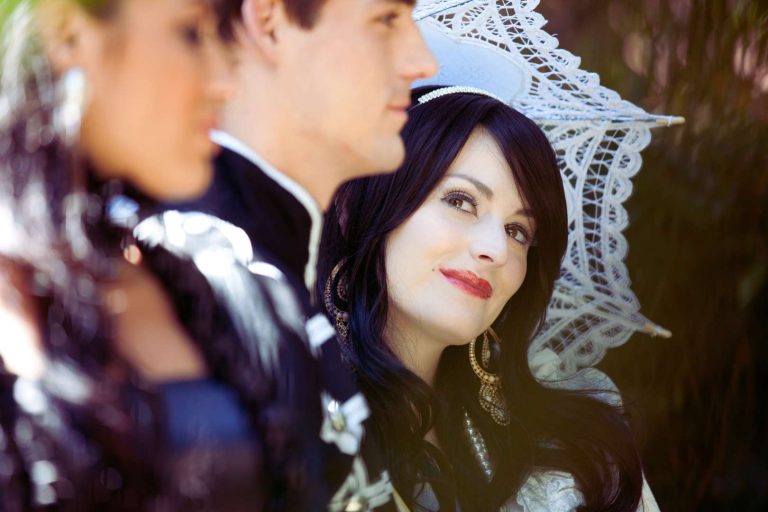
(656, 330)
(669, 120)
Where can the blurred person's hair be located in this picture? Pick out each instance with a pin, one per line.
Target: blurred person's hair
(57, 235)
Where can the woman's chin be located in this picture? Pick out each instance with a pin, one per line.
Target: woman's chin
(462, 337)
(188, 185)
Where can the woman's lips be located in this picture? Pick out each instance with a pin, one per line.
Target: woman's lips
(468, 281)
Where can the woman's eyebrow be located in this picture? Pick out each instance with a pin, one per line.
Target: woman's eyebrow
(482, 187)
(525, 212)
(488, 193)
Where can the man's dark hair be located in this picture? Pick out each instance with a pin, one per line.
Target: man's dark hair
(305, 12)
(302, 12)
(228, 13)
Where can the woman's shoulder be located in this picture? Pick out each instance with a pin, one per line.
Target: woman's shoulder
(556, 491)
(546, 491)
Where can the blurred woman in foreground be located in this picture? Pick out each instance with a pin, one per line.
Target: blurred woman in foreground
(105, 396)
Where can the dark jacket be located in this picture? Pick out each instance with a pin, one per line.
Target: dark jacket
(284, 224)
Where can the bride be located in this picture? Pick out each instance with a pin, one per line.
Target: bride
(438, 277)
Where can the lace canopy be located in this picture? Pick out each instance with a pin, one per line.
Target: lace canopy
(500, 46)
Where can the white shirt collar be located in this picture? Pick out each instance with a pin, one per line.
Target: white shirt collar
(232, 143)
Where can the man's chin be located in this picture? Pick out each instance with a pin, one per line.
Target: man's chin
(391, 156)
(383, 158)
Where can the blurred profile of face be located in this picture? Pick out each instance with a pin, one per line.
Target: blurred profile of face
(453, 265)
(157, 75)
(349, 77)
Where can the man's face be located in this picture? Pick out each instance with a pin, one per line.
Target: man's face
(348, 80)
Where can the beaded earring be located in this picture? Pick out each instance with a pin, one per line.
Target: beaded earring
(490, 395)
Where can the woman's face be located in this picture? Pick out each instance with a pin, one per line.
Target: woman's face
(156, 74)
(454, 264)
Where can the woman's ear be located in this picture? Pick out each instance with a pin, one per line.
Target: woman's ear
(58, 29)
(66, 31)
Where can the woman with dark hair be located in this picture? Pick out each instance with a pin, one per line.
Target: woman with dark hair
(134, 371)
(437, 277)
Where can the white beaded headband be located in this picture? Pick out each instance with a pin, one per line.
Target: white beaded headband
(455, 89)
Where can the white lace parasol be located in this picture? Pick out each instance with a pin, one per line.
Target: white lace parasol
(499, 46)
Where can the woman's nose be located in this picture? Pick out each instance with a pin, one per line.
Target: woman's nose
(490, 243)
(221, 79)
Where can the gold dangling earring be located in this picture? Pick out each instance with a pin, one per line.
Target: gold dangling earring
(485, 351)
(490, 396)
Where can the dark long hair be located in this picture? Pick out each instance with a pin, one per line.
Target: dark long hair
(550, 429)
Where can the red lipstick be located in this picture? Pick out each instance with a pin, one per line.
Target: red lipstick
(468, 281)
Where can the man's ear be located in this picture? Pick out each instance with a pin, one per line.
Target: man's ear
(261, 19)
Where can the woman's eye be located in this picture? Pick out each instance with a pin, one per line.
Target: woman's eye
(519, 234)
(191, 34)
(461, 201)
(388, 19)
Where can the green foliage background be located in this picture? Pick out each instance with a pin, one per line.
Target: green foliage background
(698, 237)
(6, 6)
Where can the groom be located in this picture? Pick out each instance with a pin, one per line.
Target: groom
(324, 88)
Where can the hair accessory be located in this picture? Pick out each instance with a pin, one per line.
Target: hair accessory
(490, 396)
(455, 89)
(336, 300)
(73, 96)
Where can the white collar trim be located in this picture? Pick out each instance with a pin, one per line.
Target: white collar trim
(232, 143)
